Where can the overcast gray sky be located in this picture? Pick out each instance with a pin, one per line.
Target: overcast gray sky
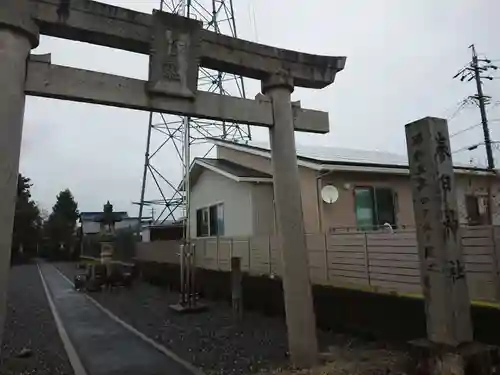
(401, 57)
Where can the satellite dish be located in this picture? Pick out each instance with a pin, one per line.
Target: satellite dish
(388, 227)
(329, 194)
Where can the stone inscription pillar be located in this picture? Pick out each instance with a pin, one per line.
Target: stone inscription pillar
(442, 269)
(300, 317)
(18, 34)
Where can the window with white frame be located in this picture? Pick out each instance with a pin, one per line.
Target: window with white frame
(374, 206)
(210, 221)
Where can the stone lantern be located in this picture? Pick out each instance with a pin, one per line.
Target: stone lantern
(107, 232)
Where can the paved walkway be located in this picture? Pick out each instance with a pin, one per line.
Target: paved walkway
(104, 346)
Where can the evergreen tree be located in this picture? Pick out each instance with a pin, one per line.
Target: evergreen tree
(60, 228)
(27, 222)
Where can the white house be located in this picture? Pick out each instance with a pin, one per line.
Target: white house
(226, 199)
(232, 195)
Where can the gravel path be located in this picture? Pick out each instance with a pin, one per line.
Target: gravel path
(30, 325)
(211, 340)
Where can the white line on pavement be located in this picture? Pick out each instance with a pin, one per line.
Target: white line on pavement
(141, 335)
(68, 345)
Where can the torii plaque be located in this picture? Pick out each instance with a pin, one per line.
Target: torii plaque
(173, 68)
(178, 47)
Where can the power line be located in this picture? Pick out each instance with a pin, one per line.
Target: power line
(462, 105)
(470, 128)
(495, 104)
(456, 108)
(465, 130)
(474, 146)
(467, 148)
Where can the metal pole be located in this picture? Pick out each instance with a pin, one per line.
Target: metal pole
(219, 74)
(233, 22)
(145, 172)
(187, 160)
(193, 274)
(187, 277)
(182, 286)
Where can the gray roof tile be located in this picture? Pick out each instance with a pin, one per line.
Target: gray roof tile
(339, 155)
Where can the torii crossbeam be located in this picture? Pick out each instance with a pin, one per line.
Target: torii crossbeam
(177, 46)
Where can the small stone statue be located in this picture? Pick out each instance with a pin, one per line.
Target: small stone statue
(108, 218)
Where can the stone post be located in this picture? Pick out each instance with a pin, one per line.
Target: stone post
(448, 348)
(438, 233)
(300, 317)
(18, 35)
(107, 250)
(236, 287)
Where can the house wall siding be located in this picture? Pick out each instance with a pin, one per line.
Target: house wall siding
(212, 188)
(90, 227)
(263, 209)
(478, 186)
(307, 182)
(341, 214)
(320, 216)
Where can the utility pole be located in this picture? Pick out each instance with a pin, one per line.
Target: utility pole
(475, 71)
(482, 108)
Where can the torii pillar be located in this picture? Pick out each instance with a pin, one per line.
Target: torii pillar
(18, 35)
(300, 317)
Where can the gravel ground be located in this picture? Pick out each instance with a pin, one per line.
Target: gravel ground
(213, 342)
(30, 325)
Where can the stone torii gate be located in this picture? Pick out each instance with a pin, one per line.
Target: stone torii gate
(177, 47)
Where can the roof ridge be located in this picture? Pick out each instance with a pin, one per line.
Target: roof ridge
(254, 143)
(343, 155)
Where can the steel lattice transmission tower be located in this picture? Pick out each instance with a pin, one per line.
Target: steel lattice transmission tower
(173, 141)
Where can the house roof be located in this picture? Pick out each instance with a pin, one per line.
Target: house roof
(93, 216)
(227, 169)
(336, 158)
(166, 224)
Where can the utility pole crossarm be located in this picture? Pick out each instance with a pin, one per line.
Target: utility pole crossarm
(120, 28)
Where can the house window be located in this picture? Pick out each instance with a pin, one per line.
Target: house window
(476, 210)
(210, 221)
(202, 222)
(374, 207)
